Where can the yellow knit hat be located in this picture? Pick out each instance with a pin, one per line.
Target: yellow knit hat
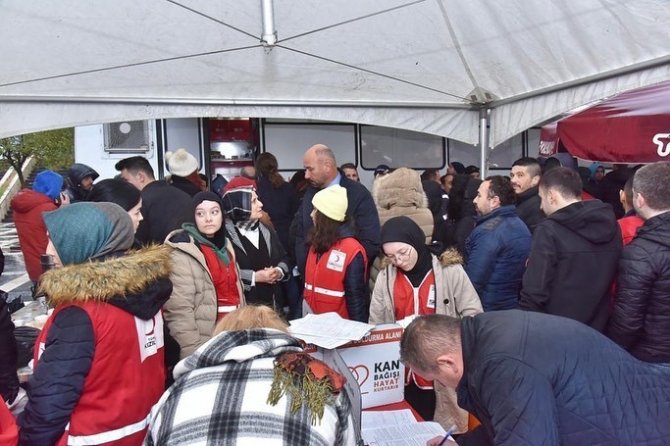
(332, 202)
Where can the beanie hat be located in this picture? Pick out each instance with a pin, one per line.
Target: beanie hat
(332, 202)
(206, 196)
(239, 182)
(85, 230)
(48, 183)
(237, 203)
(181, 163)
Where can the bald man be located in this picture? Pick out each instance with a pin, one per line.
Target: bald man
(321, 171)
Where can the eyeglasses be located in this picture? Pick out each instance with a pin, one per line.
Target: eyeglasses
(400, 255)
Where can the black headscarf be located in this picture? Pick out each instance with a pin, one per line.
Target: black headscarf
(219, 239)
(404, 229)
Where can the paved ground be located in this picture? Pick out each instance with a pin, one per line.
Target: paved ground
(14, 279)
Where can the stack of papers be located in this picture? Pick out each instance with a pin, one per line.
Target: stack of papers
(328, 330)
(397, 428)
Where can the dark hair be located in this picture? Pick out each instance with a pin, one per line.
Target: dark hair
(651, 181)
(564, 180)
(471, 169)
(501, 187)
(348, 166)
(267, 166)
(457, 196)
(429, 174)
(135, 164)
(533, 165)
(628, 190)
(298, 181)
(325, 233)
(115, 191)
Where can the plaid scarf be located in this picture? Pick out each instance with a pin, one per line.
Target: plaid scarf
(220, 397)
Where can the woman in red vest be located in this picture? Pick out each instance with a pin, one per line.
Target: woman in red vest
(204, 275)
(336, 268)
(99, 365)
(416, 282)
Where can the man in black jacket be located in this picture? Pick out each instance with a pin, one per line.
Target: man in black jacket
(574, 253)
(525, 177)
(534, 379)
(641, 319)
(164, 207)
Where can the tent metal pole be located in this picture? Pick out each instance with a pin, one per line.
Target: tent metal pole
(483, 141)
(269, 37)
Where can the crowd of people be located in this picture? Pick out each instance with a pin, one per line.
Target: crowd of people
(171, 299)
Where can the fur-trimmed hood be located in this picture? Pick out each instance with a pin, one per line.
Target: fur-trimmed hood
(141, 273)
(400, 188)
(449, 257)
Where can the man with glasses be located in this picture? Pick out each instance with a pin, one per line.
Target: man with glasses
(498, 247)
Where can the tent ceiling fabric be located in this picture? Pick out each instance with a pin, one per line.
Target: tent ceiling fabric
(410, 64)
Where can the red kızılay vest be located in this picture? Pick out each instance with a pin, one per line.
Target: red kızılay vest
(408, 301)
(324, 278)
(224, 279)
(127, 377)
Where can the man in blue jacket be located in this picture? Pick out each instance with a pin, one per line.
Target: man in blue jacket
(498, 247)
(536, 379)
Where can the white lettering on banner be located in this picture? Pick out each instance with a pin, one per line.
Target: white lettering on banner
(663, 149)
(149, 335)
(336, 260)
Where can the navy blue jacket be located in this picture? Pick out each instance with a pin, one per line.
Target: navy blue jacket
(534, 379)
(497, 250)
(361, 213)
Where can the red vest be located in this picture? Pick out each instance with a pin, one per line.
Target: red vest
(324, 278)
(629, 226)
(225, 282)
(127, 377)
(408, 301)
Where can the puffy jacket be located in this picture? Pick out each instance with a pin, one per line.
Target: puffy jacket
(75, 174)
(400, 193)
(629, 225)
(528, 208)
(573, 260)
(9, 382)
(127, 289)
(190, 313)
(497, 250)
(535, 379)
(641, 319)
(455, 296)
(27, 207)
(281, 204)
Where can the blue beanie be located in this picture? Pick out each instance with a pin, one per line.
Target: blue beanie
(48, 183)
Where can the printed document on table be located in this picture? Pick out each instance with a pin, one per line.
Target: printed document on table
(328, 330)
(397, 428)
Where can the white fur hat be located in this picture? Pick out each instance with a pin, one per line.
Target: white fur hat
(181, 163)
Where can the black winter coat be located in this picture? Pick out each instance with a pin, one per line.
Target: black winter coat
(9, 381)
(535, 379)
(528, 208)
(641, 319)
(281, 204)
(572, 262)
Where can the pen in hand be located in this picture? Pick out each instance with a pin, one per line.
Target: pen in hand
(447, 435)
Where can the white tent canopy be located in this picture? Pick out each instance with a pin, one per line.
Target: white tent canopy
(426, 65)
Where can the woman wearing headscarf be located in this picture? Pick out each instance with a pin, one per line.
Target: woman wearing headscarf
(336, 267)
(252, 384)
(206, 284)
(121, 192)
(416, 282)
(262, 260)
(99, 364)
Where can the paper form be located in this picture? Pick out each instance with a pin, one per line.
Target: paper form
(397, 428)
(328, 330)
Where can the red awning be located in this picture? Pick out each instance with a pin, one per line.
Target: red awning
(631, 127)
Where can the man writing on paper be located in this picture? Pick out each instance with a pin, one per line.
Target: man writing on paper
(537, 379)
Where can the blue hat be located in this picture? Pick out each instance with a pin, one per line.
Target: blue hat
(48, 183)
